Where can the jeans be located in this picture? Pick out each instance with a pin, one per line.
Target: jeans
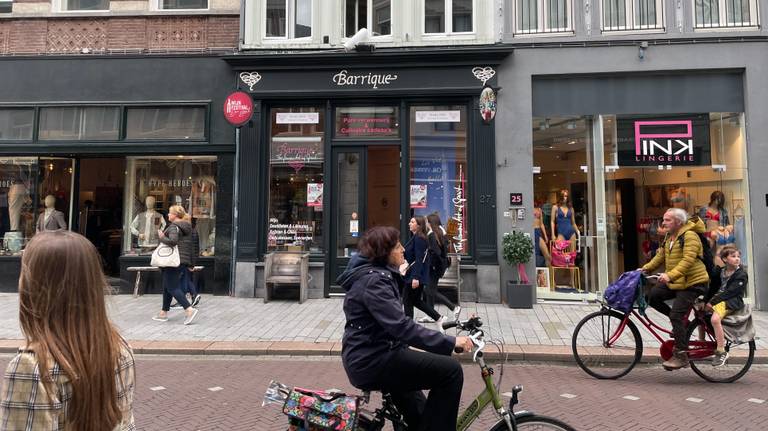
(683, 302)
(188, 282)
(414, 298)
(432, 294)
(172, 278)
(408, 373)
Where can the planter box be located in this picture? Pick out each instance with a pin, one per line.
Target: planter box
(519, 295)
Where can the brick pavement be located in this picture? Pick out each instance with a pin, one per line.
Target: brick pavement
(647, 399)
(248, 326)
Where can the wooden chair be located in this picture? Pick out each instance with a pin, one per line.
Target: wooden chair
(286, 267)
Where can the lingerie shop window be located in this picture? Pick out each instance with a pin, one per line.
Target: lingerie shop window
(35, 196)
(296, 160)
(438, 169)
(154, 184)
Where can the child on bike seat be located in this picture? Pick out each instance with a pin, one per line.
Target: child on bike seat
(729, 284)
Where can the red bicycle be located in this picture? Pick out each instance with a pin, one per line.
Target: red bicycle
(607, 345)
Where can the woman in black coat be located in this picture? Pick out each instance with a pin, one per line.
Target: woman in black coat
(377, 336)
(417, 277)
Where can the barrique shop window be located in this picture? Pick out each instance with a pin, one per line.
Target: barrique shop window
(16, 123)
(154, 184)
(183, 123)
(438, 168)
(296, 160)
(35, 195)
(368, 122)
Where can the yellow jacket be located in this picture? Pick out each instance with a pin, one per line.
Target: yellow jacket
(683, 265)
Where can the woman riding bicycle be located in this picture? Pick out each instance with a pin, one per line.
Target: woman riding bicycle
(377, 336)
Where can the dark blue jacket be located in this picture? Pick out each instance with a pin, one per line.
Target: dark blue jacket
(376, 324)
(415, 251)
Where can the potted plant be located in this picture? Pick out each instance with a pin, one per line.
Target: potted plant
(517, 249)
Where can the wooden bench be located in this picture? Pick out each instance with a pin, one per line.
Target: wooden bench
(286, 267)
(451, 280)
(139, 269)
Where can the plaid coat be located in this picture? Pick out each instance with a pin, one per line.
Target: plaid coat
(25, 404)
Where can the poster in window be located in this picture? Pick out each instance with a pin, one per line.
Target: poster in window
(418, 195)
(315, 194)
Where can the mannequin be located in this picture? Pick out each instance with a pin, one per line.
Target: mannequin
(541, 241)
(18, 195)
(563, 224)
(715, 214)
(146, 224)
(51, 218)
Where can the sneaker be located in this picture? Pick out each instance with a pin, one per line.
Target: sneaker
(191, 317)
(160, 318)
(456, 313)
(176, 305)
(196, 300)
(718, 360)
(440, 322)
(426, 319)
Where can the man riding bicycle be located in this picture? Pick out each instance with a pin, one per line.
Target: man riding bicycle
(684, 278)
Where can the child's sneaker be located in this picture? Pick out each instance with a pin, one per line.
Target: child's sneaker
(719, 359)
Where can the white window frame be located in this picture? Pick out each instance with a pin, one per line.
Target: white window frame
(630, 18)
(157, 5)
(61, 6)
(369, 18)
(448, 20)
(723, 23)
(541, 20)
(9, 2)
(290, 22)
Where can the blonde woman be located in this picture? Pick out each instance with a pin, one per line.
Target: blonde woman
(177, 233)
(75, 372)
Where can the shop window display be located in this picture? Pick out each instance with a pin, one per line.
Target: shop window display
(438, 168)
(296, 161)
(154, 184)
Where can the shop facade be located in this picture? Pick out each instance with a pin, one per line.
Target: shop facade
(341, 142)
(601, 142)
(104, 146)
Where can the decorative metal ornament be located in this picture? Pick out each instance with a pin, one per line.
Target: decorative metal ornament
(487, 104)
(484, 74)
(250, 79)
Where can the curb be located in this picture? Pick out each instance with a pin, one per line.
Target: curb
(529, 352)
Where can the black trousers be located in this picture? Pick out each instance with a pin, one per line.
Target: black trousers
(408, 373)
(432, 294)
(683, 301)
(415, 298)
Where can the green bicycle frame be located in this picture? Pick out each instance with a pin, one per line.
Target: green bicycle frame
(476, 407)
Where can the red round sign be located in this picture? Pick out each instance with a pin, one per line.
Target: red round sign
(238, 108)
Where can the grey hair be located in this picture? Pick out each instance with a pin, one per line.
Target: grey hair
(680, 214)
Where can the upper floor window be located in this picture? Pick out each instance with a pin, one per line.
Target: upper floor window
(85, 4)
(79, 123)
(376, 15)
(543, 16)
(183, 4)
(288, 19)
(16, 124)
(620, 15)
(448, 16)
(6, 6)
(725, 13)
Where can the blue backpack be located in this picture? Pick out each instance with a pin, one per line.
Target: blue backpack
(621, 293)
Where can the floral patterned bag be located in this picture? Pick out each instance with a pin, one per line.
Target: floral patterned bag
(321, 411)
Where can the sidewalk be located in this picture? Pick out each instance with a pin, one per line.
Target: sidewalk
(237, 326)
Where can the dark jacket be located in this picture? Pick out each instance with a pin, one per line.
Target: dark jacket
(179, 233)
(415, 251)
(376, 324)
(732, 293)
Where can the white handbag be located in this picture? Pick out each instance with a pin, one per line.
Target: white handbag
(166, 256)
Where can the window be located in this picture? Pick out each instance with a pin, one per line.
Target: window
(6, 6)
(376, 15)
(79, 123)
(165, 123)
(632, 14)
(438, 168)
(85, 4)
(16, 124)
(296, 161)
(183, 4)
(543, 16)
(154, 184)
(288, 19)
(725, 13)
(448, 16)
(368, 122)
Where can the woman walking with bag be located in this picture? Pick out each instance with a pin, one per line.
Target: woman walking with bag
(439, 262)
(417, 275)
(75, 372)
(177, 233)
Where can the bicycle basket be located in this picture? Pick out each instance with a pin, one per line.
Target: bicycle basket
(320, 411)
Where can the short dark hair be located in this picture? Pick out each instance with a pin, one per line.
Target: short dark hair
(377, 243)
(728, 250)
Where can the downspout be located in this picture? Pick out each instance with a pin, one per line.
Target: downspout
(241, 32)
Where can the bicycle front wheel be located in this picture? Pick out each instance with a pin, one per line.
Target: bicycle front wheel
(533, 423)
(605, 346)
(740, 357)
